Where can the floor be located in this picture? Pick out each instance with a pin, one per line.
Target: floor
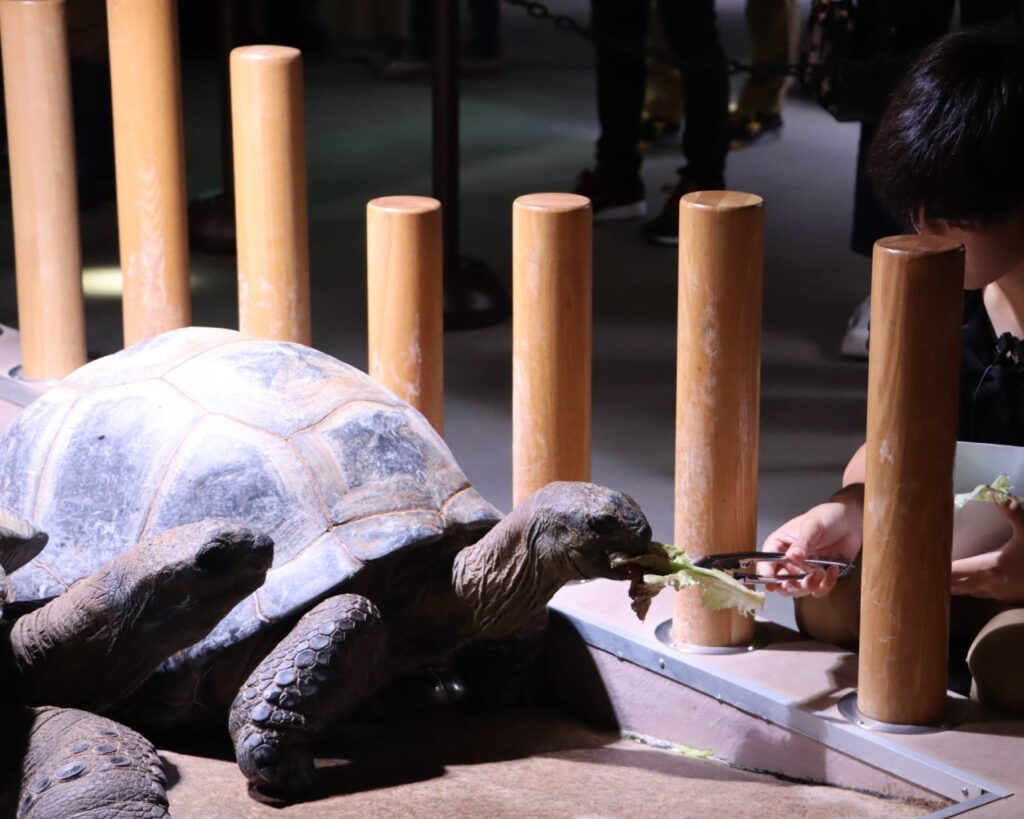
(537, 761)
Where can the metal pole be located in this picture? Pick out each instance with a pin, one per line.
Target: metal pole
(446, 127)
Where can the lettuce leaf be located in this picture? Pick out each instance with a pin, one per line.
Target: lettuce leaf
(665, 565)
(998, 491)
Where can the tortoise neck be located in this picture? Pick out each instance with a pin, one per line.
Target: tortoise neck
(507, 576)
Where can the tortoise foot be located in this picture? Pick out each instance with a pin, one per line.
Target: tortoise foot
(78, 764)
(329, 661)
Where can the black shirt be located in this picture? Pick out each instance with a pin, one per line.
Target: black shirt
(991, 379)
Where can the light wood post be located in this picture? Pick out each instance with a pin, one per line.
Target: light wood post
(552, 283)
(270, 193)
(913, 376)
(717, 391)
(404, 296)
(149, 147)
(44, 193)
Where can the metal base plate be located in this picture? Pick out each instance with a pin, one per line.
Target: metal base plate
(956, 712)
(664, 634)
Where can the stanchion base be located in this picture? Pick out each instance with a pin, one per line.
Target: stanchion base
(474, 297)
(956, 712)
(664, 634)
(211, 224)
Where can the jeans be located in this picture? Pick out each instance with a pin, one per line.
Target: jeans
(691, 30)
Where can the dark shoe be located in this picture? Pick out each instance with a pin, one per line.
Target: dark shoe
(612, 197)
(653, 129)
(664, 228)
(745, 130)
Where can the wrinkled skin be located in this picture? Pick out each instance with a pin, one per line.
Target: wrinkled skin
(341, 651)
(93, 645)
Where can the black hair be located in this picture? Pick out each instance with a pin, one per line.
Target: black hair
(951, 142)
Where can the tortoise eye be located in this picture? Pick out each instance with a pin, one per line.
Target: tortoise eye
(604, 524)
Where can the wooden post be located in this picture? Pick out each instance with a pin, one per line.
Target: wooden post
(47, 250)
(270, 193)
(149, 148)
(717, 391)
(404, 296)
(552, 283)
(913, 376)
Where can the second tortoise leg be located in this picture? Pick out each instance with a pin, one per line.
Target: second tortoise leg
(329, 661)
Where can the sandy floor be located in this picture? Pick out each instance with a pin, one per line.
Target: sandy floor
(522, 764)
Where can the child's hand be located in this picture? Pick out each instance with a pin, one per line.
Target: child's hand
(829, 530)
(998, 574)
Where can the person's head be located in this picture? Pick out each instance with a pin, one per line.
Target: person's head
(948, 156)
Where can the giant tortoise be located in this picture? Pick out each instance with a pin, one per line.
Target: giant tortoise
(386, 559)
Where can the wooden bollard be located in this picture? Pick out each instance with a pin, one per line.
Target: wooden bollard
(47, 249)
(404, 297)
(552, 284)
(717, 392)
(149, 148)
(913, 377)
(270, 193)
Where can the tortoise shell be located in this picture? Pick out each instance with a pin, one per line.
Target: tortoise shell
(201, 423)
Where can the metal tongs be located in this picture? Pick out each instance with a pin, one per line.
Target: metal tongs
(737, 563)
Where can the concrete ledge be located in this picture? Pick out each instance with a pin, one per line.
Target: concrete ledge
(792, 686)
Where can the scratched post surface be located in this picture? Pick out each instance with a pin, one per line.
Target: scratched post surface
(40, 138)
(149, 150)
(270, 193)
(916, 306)
(552, 283)
(717, 391)
(404, 300)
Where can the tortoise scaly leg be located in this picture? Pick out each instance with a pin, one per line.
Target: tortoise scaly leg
(327, 663)
(81, 766)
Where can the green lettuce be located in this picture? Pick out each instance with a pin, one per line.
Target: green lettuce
(665, 565)
(998, 491)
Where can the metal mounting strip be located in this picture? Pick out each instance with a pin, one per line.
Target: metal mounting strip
(834, 732)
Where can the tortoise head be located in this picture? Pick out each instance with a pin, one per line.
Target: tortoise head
(583, 524)
(20, 541)
(212, 560)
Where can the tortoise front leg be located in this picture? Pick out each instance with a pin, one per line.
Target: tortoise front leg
(76, 764)
(328, 662)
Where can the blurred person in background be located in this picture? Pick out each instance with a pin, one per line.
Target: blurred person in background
(482, 53)
(619, 29)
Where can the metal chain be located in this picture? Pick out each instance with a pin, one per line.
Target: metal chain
(566, 23)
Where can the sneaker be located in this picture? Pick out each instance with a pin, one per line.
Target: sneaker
(745, 130)
(612, 198)
(855, 341)
(664, 228)
(653, 129)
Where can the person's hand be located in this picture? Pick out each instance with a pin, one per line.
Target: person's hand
(998, 574)
(830, 530)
